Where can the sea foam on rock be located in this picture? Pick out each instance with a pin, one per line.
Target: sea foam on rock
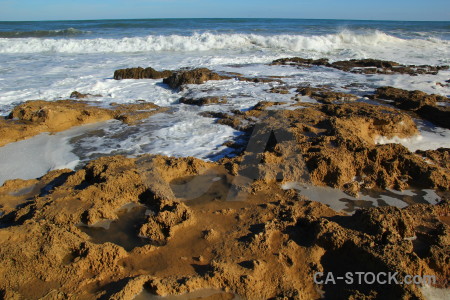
(33, 117)
(364, 66)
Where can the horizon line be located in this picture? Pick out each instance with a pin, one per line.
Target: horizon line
(219, 18)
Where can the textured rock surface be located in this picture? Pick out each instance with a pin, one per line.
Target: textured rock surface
(34, 117)
(421, 103)
(265, 247)
(364, 66)
(140, 73)
(195, 76)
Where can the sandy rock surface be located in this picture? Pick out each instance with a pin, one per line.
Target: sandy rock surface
(34, 117)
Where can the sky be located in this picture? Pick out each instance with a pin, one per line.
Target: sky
(411, 10)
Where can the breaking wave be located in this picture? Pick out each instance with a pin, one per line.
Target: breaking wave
(210, 41)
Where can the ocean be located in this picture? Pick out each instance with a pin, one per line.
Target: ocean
(49, 60)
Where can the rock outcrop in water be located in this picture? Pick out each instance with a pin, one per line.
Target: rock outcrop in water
(425, 105)
(141, 73)
(195, 76)
(204, 100)
(363, 66)
(34, 117)
(336, 145)
(78, 95)
(325, 95)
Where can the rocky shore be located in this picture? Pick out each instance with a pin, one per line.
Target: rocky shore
(34, 117)
(235, 227)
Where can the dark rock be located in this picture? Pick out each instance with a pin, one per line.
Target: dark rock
(195, 76)
(325, 96)
(438, 115)
(204, 100)
(279, 90)
(78, 95)
(363, 66)
(348, 65)
(140, 73)
(409, 100)
(298, 61)
(422, 103)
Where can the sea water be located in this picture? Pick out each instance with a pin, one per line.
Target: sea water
(49, 60)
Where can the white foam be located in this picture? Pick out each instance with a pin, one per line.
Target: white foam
(178, 133)
(343, 42)
(430, 138)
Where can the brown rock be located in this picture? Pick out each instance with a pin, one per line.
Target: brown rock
(266, 247)
(422, 103)
(78, 95)
(34, 117)
(195, 76)
(324, 95)
(298, 61)
(204, 100)
(140, 73)
(364, 66)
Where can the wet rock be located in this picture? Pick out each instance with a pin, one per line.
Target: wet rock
(195, 76)
(422, 103)
(298, 61)
(266, 247)
(131, 113)
(78, 95)
(204, 100)
(439, 156)
(259, 79)
(364, 66)
(436, 114)
(408, 100)
(34, 117)
(373, 239)
(325, 95)
(279, 90)
(141, 73)
(336, 143)
(169, 216)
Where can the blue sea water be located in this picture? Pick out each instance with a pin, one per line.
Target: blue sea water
(140, 28)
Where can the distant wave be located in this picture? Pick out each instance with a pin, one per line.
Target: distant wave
(41, 33)
(373, 41)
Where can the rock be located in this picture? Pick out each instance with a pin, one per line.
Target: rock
(195, 76)
(408, 100)
(324, 95)
(298, 61)
(34, 117)
(204, 100)
(436, 114)
(337, 143)
(279, 90)
(267, 247)
(169, 217)
(141, 73)
(77, 95)
(422, 103)
(364, 66)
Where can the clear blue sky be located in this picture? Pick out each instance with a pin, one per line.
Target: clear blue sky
(433, 10)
